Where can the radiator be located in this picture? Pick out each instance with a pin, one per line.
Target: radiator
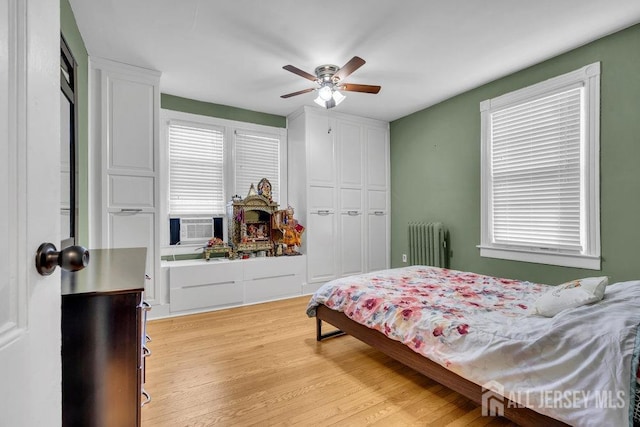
(428, 244)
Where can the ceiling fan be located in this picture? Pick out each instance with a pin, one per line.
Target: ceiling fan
(330, 80)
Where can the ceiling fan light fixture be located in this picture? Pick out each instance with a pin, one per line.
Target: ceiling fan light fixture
(325, 92)
(338, 97)
(328, 97)
(330, 103)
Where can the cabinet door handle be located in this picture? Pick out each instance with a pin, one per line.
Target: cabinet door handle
(145, 351)
(378, 213)
(130, 211)
(230, 282)
(353, 213)
(323, 212)
(147, 398)
(276, 276)
(147, 338)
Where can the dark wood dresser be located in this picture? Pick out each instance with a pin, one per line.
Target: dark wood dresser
(104, 340)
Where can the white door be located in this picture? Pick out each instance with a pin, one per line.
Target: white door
(351, 246)
(378, 241)
(30, 368)
(350, 154)
(321, 244)
(321, 151)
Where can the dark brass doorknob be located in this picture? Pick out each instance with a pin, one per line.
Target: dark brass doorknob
(71, 258)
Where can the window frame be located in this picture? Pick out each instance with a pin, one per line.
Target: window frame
(228, 127)
(587, 77)
(70, 91)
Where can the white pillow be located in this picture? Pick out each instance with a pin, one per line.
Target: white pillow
(571, 294)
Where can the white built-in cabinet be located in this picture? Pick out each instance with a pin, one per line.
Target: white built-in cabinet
(124, 192)
(198, 285)
(339, 185)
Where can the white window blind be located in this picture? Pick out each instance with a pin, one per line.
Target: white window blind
(540, 193)
(536, 172)
(257, 156)
(195, 170)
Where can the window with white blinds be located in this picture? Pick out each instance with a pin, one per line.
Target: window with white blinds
(207, 160)
(196, 172)
(540, 168)
(535, 167)
(257, 156)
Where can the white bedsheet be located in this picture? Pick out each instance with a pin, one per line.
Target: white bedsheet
(576, 367)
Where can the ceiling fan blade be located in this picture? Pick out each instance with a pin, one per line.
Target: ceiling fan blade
(298, 71)
(348, 68)
(300, 92)
(359, 88)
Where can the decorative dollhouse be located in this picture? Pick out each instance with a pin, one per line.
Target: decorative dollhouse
(257, 226)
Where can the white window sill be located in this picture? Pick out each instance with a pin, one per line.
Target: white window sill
(564, 260)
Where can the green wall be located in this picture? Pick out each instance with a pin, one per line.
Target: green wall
(71, 34)
(176, 103)
(435, 165)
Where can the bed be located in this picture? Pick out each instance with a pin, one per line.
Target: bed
(480, 336)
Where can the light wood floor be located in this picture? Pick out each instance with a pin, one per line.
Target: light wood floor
(261, 365)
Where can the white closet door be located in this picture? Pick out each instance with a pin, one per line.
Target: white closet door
(135, 230)
(350, 154)
(377, 199)
(351, 243)
(378, 241)
(321, 244)
(131, 125)
(377, 159)
(321, 153)
(125, 126)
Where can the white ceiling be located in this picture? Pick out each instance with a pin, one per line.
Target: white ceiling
(420, 51)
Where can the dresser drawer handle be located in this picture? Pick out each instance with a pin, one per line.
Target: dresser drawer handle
(323, 212)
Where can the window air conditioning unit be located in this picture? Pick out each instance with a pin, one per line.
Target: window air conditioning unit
(195, 229)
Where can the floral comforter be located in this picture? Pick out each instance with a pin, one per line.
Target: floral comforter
(575, 367)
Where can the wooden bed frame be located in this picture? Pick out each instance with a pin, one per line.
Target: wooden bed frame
(408, 357)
